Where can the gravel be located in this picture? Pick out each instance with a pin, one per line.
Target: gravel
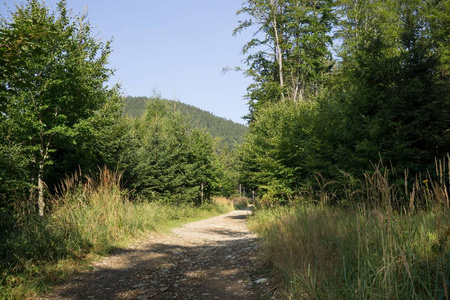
(210, 259)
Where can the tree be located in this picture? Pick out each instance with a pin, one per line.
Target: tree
(228, 172)
(388, 97)
(292, 49)
(231, 133)
(396, 95)
(174, 161)
(283, 150)
(106, 138)
(53, 77)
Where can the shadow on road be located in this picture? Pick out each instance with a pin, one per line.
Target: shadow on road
(173, 268)
(161, 271)
(238, 217)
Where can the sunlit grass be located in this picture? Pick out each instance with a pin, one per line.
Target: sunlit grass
(361, 251)
(240, 202)
(330, 253)
(223, 204)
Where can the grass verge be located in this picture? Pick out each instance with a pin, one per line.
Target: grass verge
(87, 219)
(331, 253)
(361, 251)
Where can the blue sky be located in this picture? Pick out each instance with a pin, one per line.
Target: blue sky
(177, 47)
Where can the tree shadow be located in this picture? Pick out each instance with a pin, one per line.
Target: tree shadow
(238, 217)
(218, 270)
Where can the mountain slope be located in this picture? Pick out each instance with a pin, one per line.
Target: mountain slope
(230, 132)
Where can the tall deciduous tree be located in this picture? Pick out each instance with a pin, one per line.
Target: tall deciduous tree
(290, 52)
(53, 75)
(387, 97)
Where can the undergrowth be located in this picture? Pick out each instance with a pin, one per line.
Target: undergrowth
(366, 249)
(88, 217)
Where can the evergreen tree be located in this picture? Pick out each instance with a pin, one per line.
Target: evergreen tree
(229, 132)
(397, 98)
(174, 161)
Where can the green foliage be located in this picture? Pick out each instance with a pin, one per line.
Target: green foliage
(289, 56)
(227, 169)
(53, 78)
(13, 183)
(103, 139)
(229, 132)
(397, 99)
(57, 116)
(387, 97)
(190, 126)
(174, 161)
(286, 147)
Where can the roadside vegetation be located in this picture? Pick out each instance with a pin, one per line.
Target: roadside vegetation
(90, 216)
(347, 148)
(63, 131)
(370, 248)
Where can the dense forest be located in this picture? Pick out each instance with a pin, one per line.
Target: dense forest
(229, 132)
(346, 149)
(348, 145)
(340, 86)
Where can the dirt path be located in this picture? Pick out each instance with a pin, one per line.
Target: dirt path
(208, 259)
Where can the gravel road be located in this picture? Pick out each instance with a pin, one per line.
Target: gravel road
(209, 259)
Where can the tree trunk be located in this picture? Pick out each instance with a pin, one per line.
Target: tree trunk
(277, 46)
(202, 194)
(280, 54)
(41, 203)
(45, 144)
(32, 190)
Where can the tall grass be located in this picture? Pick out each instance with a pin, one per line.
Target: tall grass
(384, 187)
(88, 216)
(375, 249)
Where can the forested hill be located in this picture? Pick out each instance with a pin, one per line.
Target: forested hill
(229, 131)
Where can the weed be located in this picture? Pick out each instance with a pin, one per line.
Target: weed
(223, 204)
